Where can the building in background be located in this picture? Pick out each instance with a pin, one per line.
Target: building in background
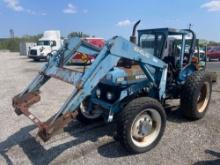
(25, 47)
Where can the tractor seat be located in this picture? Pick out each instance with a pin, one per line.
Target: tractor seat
(170, 60)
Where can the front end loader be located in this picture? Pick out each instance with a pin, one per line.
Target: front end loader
(127, 82)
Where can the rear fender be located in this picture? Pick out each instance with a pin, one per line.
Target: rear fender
(186, 72)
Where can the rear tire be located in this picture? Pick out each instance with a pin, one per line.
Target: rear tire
(195, 96)
(141, 125)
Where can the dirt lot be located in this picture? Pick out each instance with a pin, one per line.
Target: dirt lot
(184, 142)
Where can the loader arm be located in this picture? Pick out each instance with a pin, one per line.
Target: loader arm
(85, 82)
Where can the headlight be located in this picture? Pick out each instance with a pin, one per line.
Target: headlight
(109, 96)
(98, 93)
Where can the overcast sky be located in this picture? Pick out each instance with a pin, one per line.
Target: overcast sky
(107, 18)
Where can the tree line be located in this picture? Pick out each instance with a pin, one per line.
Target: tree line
(12, 44)
(203, 43)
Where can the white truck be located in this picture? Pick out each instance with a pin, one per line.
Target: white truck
(50, 42)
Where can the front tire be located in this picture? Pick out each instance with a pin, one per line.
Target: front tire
(88, 117)
(141, 125)
(195, 96)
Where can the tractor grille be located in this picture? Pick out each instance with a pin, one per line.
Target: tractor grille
(115, 90)
(33, 52)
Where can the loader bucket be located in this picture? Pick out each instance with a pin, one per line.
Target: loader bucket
(46, 129)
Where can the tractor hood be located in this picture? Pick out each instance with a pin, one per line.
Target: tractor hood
(121, 75)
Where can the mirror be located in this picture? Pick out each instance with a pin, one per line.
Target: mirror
(53, 43)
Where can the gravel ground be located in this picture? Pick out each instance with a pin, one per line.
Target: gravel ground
(184, 142)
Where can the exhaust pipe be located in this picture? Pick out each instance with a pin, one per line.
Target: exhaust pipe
(124, 61)
(133, 37)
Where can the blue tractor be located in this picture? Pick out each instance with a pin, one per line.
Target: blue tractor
(128, 83)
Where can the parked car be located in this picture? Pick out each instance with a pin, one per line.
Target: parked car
(213, 53)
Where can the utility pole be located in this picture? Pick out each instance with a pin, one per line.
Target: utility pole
(12, 34)
(190, 26)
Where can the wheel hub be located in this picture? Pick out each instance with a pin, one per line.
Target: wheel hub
(146, 127)
(143, 127)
